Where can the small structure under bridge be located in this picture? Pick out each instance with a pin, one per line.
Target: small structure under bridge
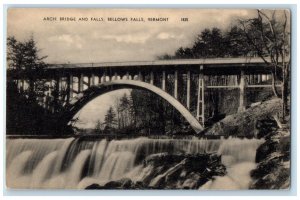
(84, 82)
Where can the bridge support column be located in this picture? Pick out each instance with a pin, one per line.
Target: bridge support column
(22, 85)
(188, 89)
(176, 84)
(58, 87)
(56, 95)
(236, 80)
(93, 79)
(141, 78)
(151, 78)
(70, 88)
(164, 80)
(99, 80)
(80, 83)
(127, 76)
(103, 77)
(89, 82)
(47, 102)
(115, 76)
(252, 79)
(258, 78)
(242, 106)
(200, 99)
(52, 97)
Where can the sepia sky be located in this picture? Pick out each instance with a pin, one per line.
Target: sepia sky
(94, 41)
(105, 41)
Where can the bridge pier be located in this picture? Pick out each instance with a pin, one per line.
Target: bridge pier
(188, 89)
(80, 83)
(164, 80)
(259, 78)
(57, 87)
(88, 84)
(176, 84)
(104, 77)
(141, 77)
(242, 106)
(93, 79)
(69, 88)
(200, 98)
(21, 85)
(151, 78)
(98, 80)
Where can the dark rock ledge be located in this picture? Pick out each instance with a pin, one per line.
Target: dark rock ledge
(273, 158)
(172, 172)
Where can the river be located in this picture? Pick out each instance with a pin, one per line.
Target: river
(79, 162)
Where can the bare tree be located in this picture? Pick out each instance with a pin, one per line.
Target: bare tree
(269, 35)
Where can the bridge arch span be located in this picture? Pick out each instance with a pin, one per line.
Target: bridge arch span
(89, 94)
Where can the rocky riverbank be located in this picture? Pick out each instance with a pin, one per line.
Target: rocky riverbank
(165, 171)
(245, 124)
(273, 158)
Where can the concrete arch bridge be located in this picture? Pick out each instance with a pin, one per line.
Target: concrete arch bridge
(84, 82)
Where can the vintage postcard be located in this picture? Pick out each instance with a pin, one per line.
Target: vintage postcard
(103, 98)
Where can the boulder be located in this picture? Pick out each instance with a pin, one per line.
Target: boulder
(245, 123)
(266, 149)
(184, 171)
(192, 181)
(94, 187)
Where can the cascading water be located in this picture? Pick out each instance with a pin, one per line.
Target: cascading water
(77, 163)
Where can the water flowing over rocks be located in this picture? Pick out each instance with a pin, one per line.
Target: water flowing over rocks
(172, 172)
(140, 163)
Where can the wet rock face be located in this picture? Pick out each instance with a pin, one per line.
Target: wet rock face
(270, 146)
(266, 128)
(173, 172)
(190, 172)
(273, 158)
(271, 174)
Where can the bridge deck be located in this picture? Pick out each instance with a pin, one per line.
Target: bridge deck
(223, 62)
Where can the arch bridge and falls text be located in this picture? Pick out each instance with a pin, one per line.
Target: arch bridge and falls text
(84, 82)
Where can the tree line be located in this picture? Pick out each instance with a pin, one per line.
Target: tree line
(211, 43)
(133, 113)
(25, 112)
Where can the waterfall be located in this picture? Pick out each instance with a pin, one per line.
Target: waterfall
(77, 163)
